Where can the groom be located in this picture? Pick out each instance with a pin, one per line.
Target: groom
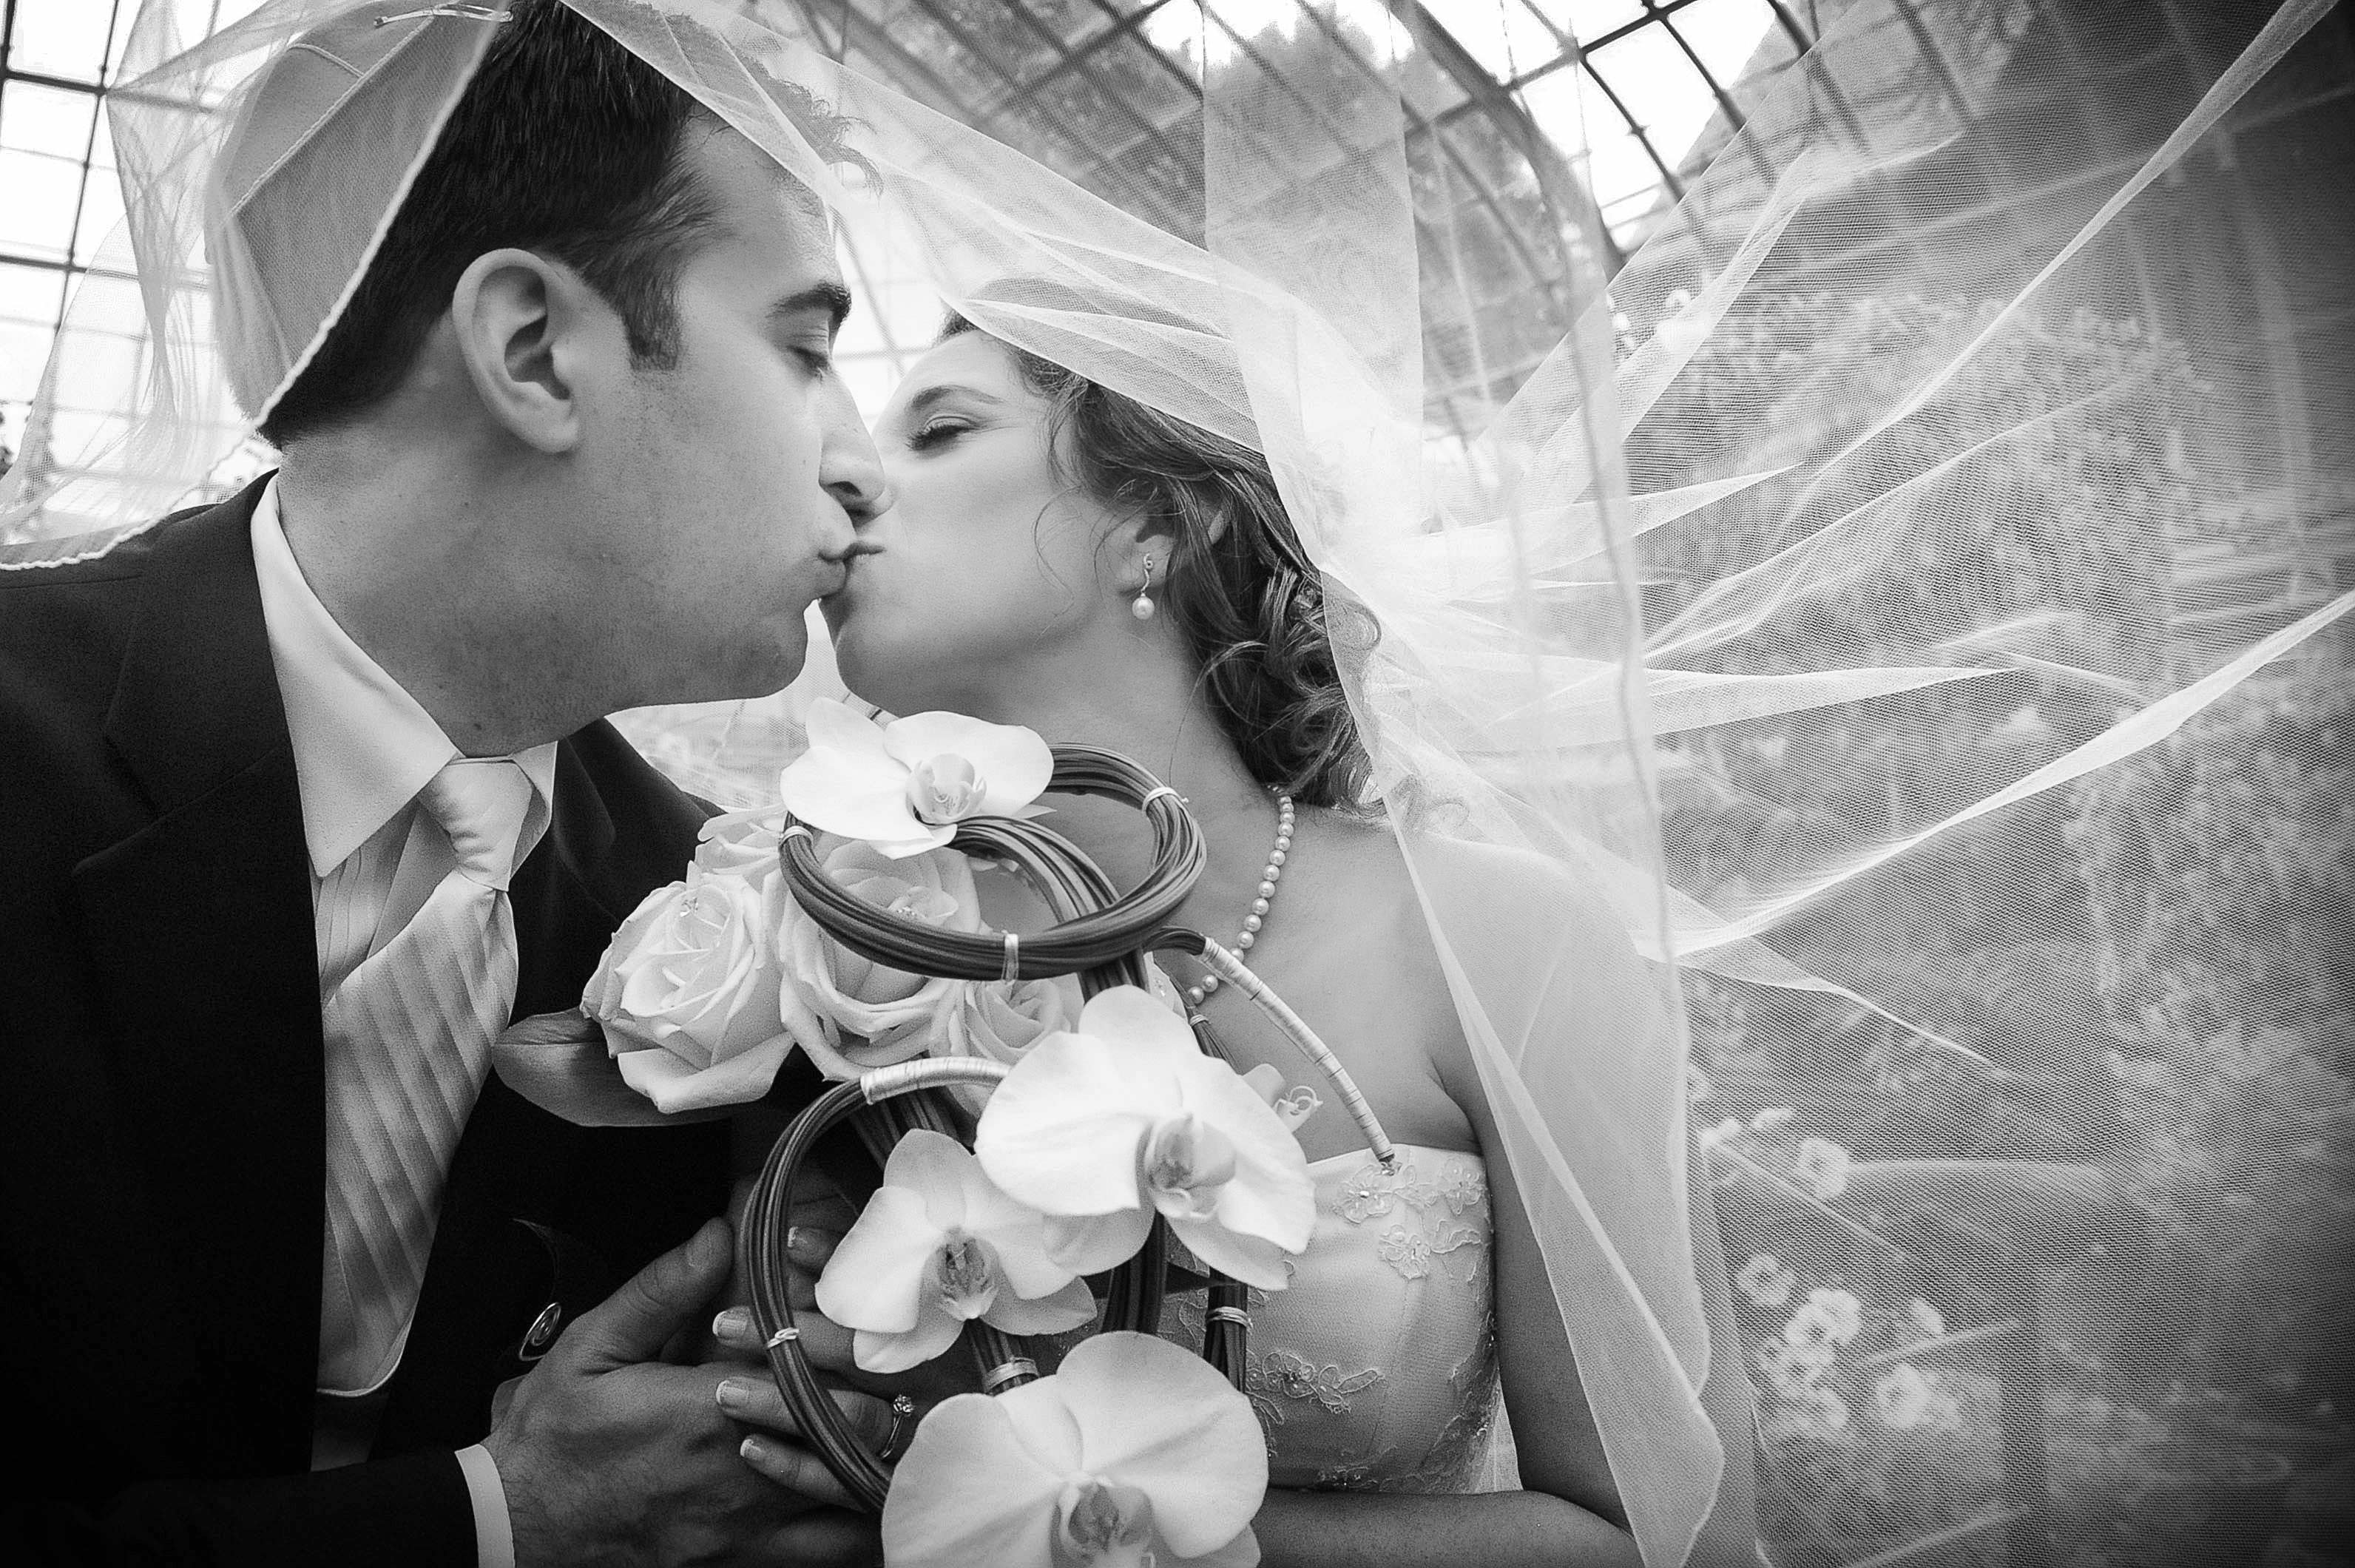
(304, 796)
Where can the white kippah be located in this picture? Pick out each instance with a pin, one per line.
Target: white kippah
(320, 143)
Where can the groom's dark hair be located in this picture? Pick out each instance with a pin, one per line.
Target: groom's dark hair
(564, 142)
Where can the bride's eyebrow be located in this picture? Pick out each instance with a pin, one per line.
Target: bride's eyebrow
(930, 398)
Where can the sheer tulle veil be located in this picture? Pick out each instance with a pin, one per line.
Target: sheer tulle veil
(1829, 593)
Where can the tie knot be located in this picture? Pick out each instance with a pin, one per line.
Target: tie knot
(481, 803)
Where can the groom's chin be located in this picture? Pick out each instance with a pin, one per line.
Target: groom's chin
(762, 664)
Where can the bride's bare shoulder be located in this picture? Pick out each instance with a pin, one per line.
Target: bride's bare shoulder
(1496, 905)
(1536, 892)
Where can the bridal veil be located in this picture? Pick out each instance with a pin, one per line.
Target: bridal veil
(1904, 592)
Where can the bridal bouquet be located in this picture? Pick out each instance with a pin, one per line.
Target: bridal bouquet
(1103, 1116)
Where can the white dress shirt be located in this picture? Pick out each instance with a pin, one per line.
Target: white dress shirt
(363, 749)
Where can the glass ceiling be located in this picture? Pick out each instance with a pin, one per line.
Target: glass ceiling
(1611, 101)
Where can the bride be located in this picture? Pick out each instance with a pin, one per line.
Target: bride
(1059, 557)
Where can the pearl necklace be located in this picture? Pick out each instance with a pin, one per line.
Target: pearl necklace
(1269, 875)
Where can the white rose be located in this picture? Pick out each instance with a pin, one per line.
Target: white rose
(743, 843)
(1000, 1020)
(895, 1014)
(687, 995)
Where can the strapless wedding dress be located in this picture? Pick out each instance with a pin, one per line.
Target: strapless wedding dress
(1376, 1369)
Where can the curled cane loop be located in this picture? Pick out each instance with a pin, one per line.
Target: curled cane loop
(1100, 934)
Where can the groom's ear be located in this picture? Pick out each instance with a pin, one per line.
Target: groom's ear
(527, 327)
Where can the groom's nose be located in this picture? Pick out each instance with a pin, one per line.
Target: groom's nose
(847, 465)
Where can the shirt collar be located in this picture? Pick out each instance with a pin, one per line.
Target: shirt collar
(363, 746)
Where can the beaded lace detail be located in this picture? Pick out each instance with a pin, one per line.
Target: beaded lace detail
(1376, 1369)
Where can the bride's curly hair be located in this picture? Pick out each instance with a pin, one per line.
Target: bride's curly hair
(1238, 587)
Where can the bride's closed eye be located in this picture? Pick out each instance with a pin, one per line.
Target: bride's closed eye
(936, 434)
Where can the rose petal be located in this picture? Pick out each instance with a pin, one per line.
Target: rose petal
(1052, 1313)
(1062, 1132)
(876, 1278)
(1249, 1259)
(602, 995)
(934, 1332)
(1153, 1416)
(968, 1491)
(675, 1086)
(1093, 1242)
(1014, 764)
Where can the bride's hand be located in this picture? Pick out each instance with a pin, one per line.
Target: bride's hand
(882, 1409)
(829, 1344)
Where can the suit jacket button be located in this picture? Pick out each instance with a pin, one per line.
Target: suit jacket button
(542, 1332)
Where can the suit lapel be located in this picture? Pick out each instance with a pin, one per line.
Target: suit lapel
(201, 928)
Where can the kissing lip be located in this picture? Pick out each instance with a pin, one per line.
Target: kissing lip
(844, 561)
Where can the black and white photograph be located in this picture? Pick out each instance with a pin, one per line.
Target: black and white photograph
(1178, 783)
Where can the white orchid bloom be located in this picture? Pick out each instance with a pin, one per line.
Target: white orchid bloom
(905, 786)
(938, 1246)
(1134, 1452)
(1103, 1127)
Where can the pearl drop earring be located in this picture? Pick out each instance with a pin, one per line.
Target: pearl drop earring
(1142, 605)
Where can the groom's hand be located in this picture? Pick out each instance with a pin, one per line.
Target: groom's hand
(609, 1455)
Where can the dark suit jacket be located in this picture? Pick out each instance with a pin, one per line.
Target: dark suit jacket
(161, 1164)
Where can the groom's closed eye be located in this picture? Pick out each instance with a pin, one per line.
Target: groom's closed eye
(807, 322)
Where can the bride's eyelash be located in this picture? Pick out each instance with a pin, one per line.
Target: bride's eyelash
(938, 432)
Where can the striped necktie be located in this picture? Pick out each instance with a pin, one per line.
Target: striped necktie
(408, 1041)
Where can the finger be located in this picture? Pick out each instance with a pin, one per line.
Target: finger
(632, 1324)
(735, 1333)
(794, 1468)
(870, 1416)
(829, 1346)
(757, 1401)
(809, 1246)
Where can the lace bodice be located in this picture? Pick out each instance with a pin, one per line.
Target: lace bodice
(1376, 1369)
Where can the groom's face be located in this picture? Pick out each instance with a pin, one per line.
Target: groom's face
(730, 479)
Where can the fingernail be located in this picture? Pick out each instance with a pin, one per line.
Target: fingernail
(733, 1394)
(753, 1449)
(732, 1324)
(804, 1245)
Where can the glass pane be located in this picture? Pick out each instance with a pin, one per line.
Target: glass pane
(23, 349)
(62, 37)
(30, 294)
(37, 220)
(1588, 19)
(101, 210)
(1507, 39)
(1659, 85)
(1725, 33)
(1604, 152)
(36, 119)
(29, 297)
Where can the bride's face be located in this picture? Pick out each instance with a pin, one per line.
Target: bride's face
(987, 569)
